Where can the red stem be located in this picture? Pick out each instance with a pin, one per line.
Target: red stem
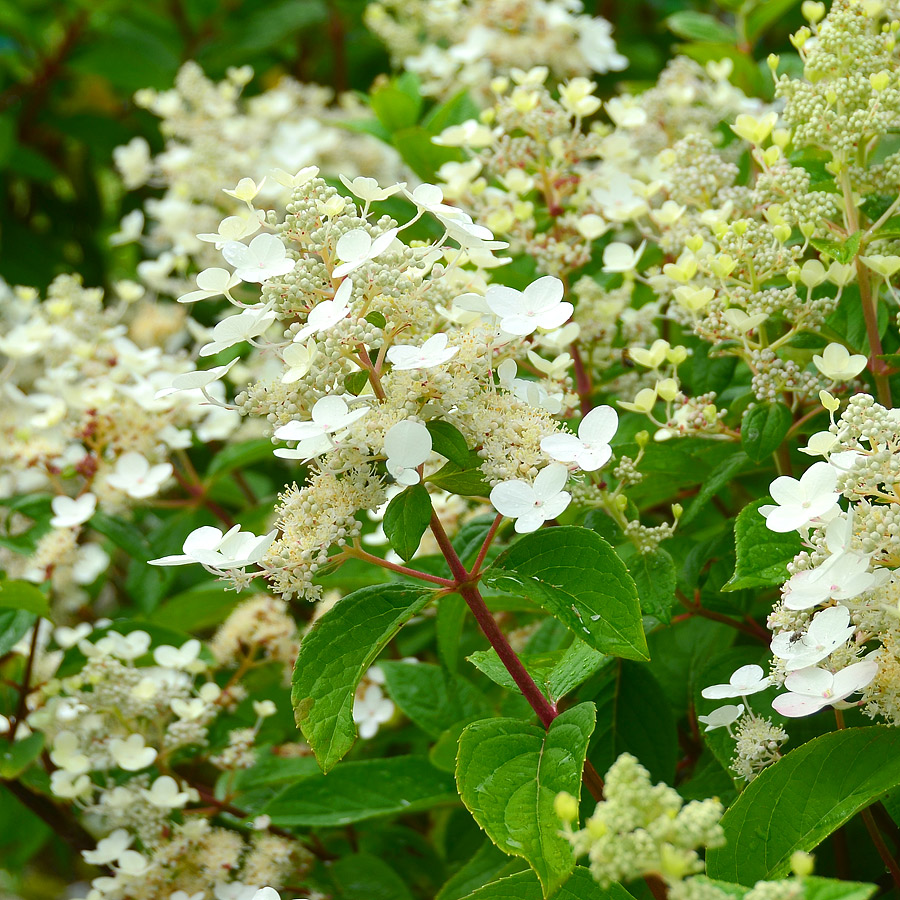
(359, 553)
(582, 379)
(466, 586)
(488, 540)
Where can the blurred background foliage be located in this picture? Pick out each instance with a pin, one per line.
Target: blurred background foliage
(69, 69)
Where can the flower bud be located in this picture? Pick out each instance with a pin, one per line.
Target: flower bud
(565, 806)
(802, 863)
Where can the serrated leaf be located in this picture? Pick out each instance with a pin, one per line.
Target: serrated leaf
(634, 716)
(524, 886)
(842, 251)
(488, 865)
(801, 799)
(763, 428)
(13, 625)
(509, 773)
(406, 520)
(466, 480)
(432, 697)
(361, 790)
(24, 595)
(447, 440)
(575, 575)
(556, 673)
(365, 875)
(334, 656)
(762, 555)
(654, 574)
(697, 26)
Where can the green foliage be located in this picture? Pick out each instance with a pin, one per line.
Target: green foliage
(406, 520)
(762, 555)
(809, 794)
(576, 575)
(334, 656)
(763, 428)
(509, 773)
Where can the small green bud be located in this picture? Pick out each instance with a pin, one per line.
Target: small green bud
(642, 438)
(802, 863)
(566, 807)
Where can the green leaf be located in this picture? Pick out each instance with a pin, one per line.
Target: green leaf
(395, 108)
(406, 519)
(762, 555)
(833, 889)
(804, 797)
(765, 14)
(356, 381)
(203, 606)
(15, 758)
(524, 886)
(509, 773)
(714, 482)
(575, 575)
(334, 656)
(697, 26)
(451, 617)
(654, 574)
(123, 534)
(360, 790)
(763, 428)
(842, 251)
(432, 697)
(487, 865)
(24, 595)
(458, 109)
(365, 875)
(421, 155)
(634, 716)
(13, 624)
(239, 456)
(466, 480)
(556, 672)
(447, 440)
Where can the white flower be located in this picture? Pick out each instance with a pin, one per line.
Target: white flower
(188, 710)
(68, 785)
(838, 364)
(590, 450)
(182, 657)
(136, 477)
(299, 359)
(407, 445)
(109, 849)
(472, 237)
(66, 754)
(211, 283)
(264, 708)
(434, 352)
(130, 229)
(820, 444)
(813, 689)
(266, 257)
(329, 414)
(164, 793)
(619, 203)
(209, 547)
(66, 637)
(744, 681)
(196, 380)
(723, 717)
(123, 646)
(842, 576)
(531, 392)
(323, 315)
(368, 189)
(233, 228)
(540, 305)
(133, 863)
(619, 257)
(356, 248)
(69, 513)
(741, 322)
(131, 753)
(533, 504)
(247, 324)
(266, 893)
(298, 179)
(371, 710)
(829, 630)
(90, 561)
(799, 502)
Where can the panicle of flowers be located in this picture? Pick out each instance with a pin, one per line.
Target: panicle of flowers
(467, 43)
(641, 829)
